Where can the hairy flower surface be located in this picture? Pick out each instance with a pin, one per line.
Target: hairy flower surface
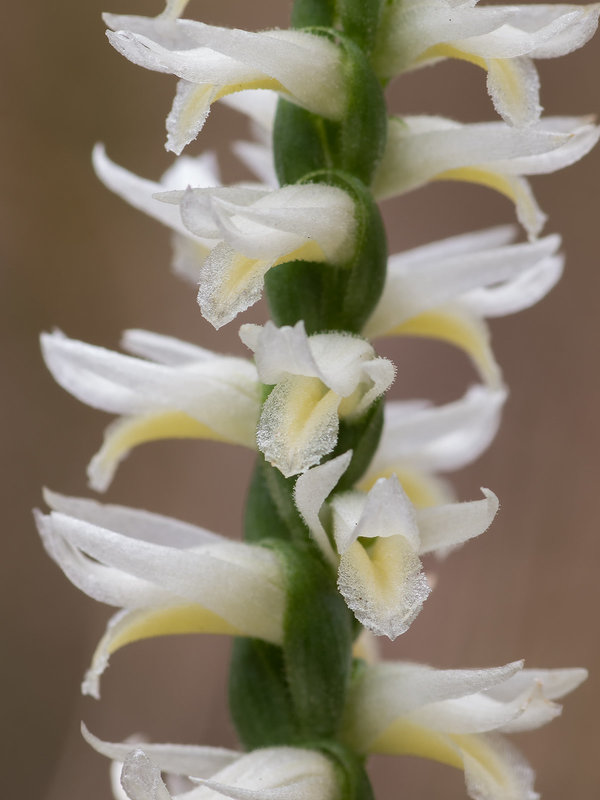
(280, 773)
(503, 40)
(425, 148)
(317, 379)
(256, 229)
(378, 538)
(445, 290)
(419, 440)
(212, 62)
(168, 576)
(455, 716)
(175, 390)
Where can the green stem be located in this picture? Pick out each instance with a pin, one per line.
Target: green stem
(295, 693)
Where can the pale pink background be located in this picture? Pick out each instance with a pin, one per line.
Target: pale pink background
(76, 257)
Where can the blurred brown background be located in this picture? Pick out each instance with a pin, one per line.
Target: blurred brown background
(74, 256)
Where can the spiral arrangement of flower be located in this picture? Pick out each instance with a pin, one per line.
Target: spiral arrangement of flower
(346, 494)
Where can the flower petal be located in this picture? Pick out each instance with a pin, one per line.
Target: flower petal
(459, 327)
(193, 393)
(310, 492)
(132, 522)
(383, 584)
(177, 759)
(298, 425)
(416, 284)
(385, 511)
(141, 778)
(517, 294)
(213, 62)
(442, 527)
(514, 86)
(128, 432)
(164, 349)
(130, 626)
(388, 691)
(277, 773)
(421, 149)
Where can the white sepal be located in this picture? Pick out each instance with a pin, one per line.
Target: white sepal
(279, 773)
(500, 39)
(177, 759)
(310, 492)
(423, 148)
(184, 391)
(449, 715)
(444, 527)
(424, 279)
(213, 62)
(168, 576)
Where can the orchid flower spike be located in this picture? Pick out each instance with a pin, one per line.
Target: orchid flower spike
(379, 537)
(455, 716)
(279, 773)
(503, 40)
(212, 62)
(256, 229)
(445, 290)
(317, 380)
(175, 390)
(167, 576)
(425, 148)
(420, 440)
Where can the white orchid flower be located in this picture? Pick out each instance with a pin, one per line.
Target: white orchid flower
(175, 390)
(445, 290)
(212, 62)
(379, 537)
(454, 716)
(167, 576)
(503, 40)
(317, 379)
(257, 229)
(426, 148)
(420, 440)
(278, 773)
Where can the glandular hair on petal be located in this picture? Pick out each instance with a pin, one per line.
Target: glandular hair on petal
(383, 583)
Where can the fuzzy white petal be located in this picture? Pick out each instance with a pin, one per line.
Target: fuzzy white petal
(417, 284)
(178, 759)
(390, 691)
(310, 492)
(441, 527)
(193, 393)
(213, 62)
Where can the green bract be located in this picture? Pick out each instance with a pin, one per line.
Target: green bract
(296, 693)
(304, 142)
